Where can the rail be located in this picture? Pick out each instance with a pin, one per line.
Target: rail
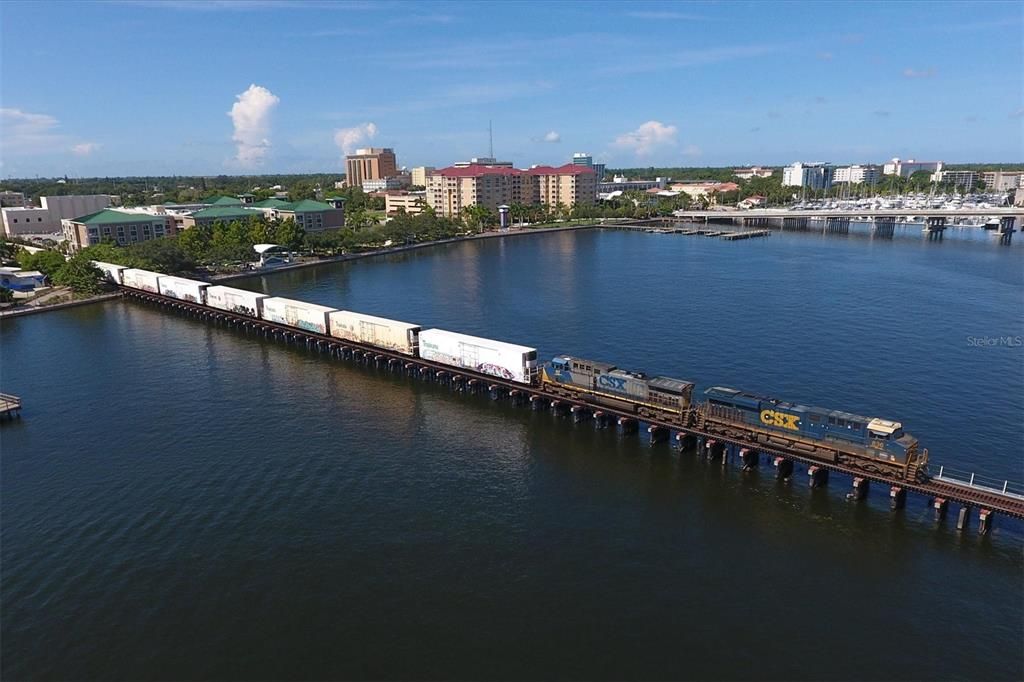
(951, 490)
(972, 480)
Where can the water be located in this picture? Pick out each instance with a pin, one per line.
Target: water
(180, 501)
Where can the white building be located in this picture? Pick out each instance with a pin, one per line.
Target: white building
(47, 220)
(482, 161)
(856, 174)
(623, 184)
(383, 184)
(753, 172)
(906, 168)
(816, 175)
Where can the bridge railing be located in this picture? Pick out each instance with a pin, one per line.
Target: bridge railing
(974, 480)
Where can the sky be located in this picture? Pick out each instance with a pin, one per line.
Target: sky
(176, 87)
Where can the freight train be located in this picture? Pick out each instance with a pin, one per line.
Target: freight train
(876, 446)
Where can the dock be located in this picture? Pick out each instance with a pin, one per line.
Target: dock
(10, 406)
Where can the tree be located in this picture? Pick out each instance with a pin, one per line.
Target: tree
(6, 295)
(477, 215)
(46, 262)
(163, 255)
(289, 234)
(80, 274)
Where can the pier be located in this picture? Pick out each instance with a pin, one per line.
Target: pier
(10, 406)
(980, 501)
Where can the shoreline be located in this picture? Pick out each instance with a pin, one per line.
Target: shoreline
(32, 310)
(397, 249)
(217, 279)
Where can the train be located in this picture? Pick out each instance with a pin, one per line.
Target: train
(871, 444)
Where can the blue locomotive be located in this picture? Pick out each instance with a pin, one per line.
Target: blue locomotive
(603, 383)
(868, 443)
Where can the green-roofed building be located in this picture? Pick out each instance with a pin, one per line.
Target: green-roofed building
(270, 203)
(222, 201)
(122, 227)
(224, 214)
(313, 216)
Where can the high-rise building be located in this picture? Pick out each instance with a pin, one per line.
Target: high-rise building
(856, 175)
(816, 175)
(450, 190)
(373, 163)
(958, 178)
(906, 168)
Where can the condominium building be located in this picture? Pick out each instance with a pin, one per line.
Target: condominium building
(1001, 181)
(121, 227)
(907, 167)
(567, 185)
(372, 163)
(450, 190)
(815, 175)
(959, 178)
(856, 175)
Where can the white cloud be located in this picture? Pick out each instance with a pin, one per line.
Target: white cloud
(348, 138)
(23, 131)
(552, 136)
(919, 73)
(825, 56)
(649, 137)
(84, 148)
(251, 118)
(692, 151)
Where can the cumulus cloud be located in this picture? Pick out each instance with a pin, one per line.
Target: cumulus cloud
(648, 138)
(348, 138)
(552, 136)
(918, 73)
(84, 148)
(692, 150)
(251, 118)
(24, 131)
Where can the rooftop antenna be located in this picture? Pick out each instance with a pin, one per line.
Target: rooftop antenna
(490, 137)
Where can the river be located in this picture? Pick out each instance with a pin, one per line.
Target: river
(183, 501)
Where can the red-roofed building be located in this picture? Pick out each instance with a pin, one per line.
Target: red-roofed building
(452, 189)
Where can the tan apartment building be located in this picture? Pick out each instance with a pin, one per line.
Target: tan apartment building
(412, 203)
(568, 185)
(420, 174)
(450, 190)
(372, 163)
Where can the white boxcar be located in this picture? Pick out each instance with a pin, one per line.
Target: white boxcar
(376, 331)
(111, 271)
(184, 289)
(308, 316)
(497, 358)
(141, 279)
(234, 300)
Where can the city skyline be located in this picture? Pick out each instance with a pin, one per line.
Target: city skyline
(183, 87)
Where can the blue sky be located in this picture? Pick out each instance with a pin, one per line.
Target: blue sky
(147, 88)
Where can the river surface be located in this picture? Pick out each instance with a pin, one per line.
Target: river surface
(182, 501)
